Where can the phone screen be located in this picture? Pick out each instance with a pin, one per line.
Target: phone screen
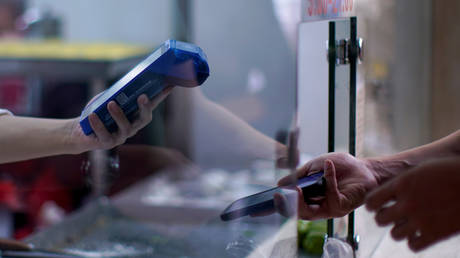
(256, 199)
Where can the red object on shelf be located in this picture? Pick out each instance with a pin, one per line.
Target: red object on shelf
(27, 186)
(47, 188)
(9, 195)
(14, 94)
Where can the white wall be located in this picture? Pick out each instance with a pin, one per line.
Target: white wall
(412, 73)
(245, 43)
(143, 22)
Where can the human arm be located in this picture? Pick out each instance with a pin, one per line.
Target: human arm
(422, 204)
(208, 129)
(251, 142)
(387, 167)
(23, 138)
(350, 179)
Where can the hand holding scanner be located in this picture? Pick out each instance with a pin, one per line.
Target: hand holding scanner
(173, 63)
(313, 185)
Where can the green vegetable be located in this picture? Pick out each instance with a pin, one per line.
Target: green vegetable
(313, 243)
(303, 226)
(319, 226)
(302, 230)
(311, 235)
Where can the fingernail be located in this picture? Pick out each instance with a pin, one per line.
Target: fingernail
(110, 105)
(144, 100)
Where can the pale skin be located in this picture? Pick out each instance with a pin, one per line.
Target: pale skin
(241, 141)
(415, 191)
(24, 138)
(425, 208)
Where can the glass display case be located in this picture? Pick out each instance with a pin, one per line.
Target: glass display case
(162, 193)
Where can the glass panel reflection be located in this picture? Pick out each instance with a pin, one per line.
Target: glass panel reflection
(342, 112)
(165, 189)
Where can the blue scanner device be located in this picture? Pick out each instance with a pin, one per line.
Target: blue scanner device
(173, 63)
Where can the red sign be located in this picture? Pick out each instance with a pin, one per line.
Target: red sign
(326, 9)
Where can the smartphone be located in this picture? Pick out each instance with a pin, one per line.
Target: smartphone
(173, 63)
(313, 185)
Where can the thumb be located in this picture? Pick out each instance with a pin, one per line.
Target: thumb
(331, 179)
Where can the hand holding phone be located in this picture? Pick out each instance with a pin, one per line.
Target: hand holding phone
(312, 186)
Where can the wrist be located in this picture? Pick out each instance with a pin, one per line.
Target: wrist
(384, 169)
(71, 142)
(375, 167)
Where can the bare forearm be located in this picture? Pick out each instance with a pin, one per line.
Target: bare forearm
(245, 139)
(23, 138)
(389, 166)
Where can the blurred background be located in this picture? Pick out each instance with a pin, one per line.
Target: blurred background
(226, 135)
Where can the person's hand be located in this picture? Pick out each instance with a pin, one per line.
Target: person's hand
(282, 157)
(422, 204)
(103, 139)
(348, 179)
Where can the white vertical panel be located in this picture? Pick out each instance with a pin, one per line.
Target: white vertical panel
(313, 87)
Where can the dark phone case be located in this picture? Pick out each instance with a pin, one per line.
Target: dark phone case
(315, 190)
(257, 208)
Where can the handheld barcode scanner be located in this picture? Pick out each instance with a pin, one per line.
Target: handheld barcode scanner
(173, 63)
